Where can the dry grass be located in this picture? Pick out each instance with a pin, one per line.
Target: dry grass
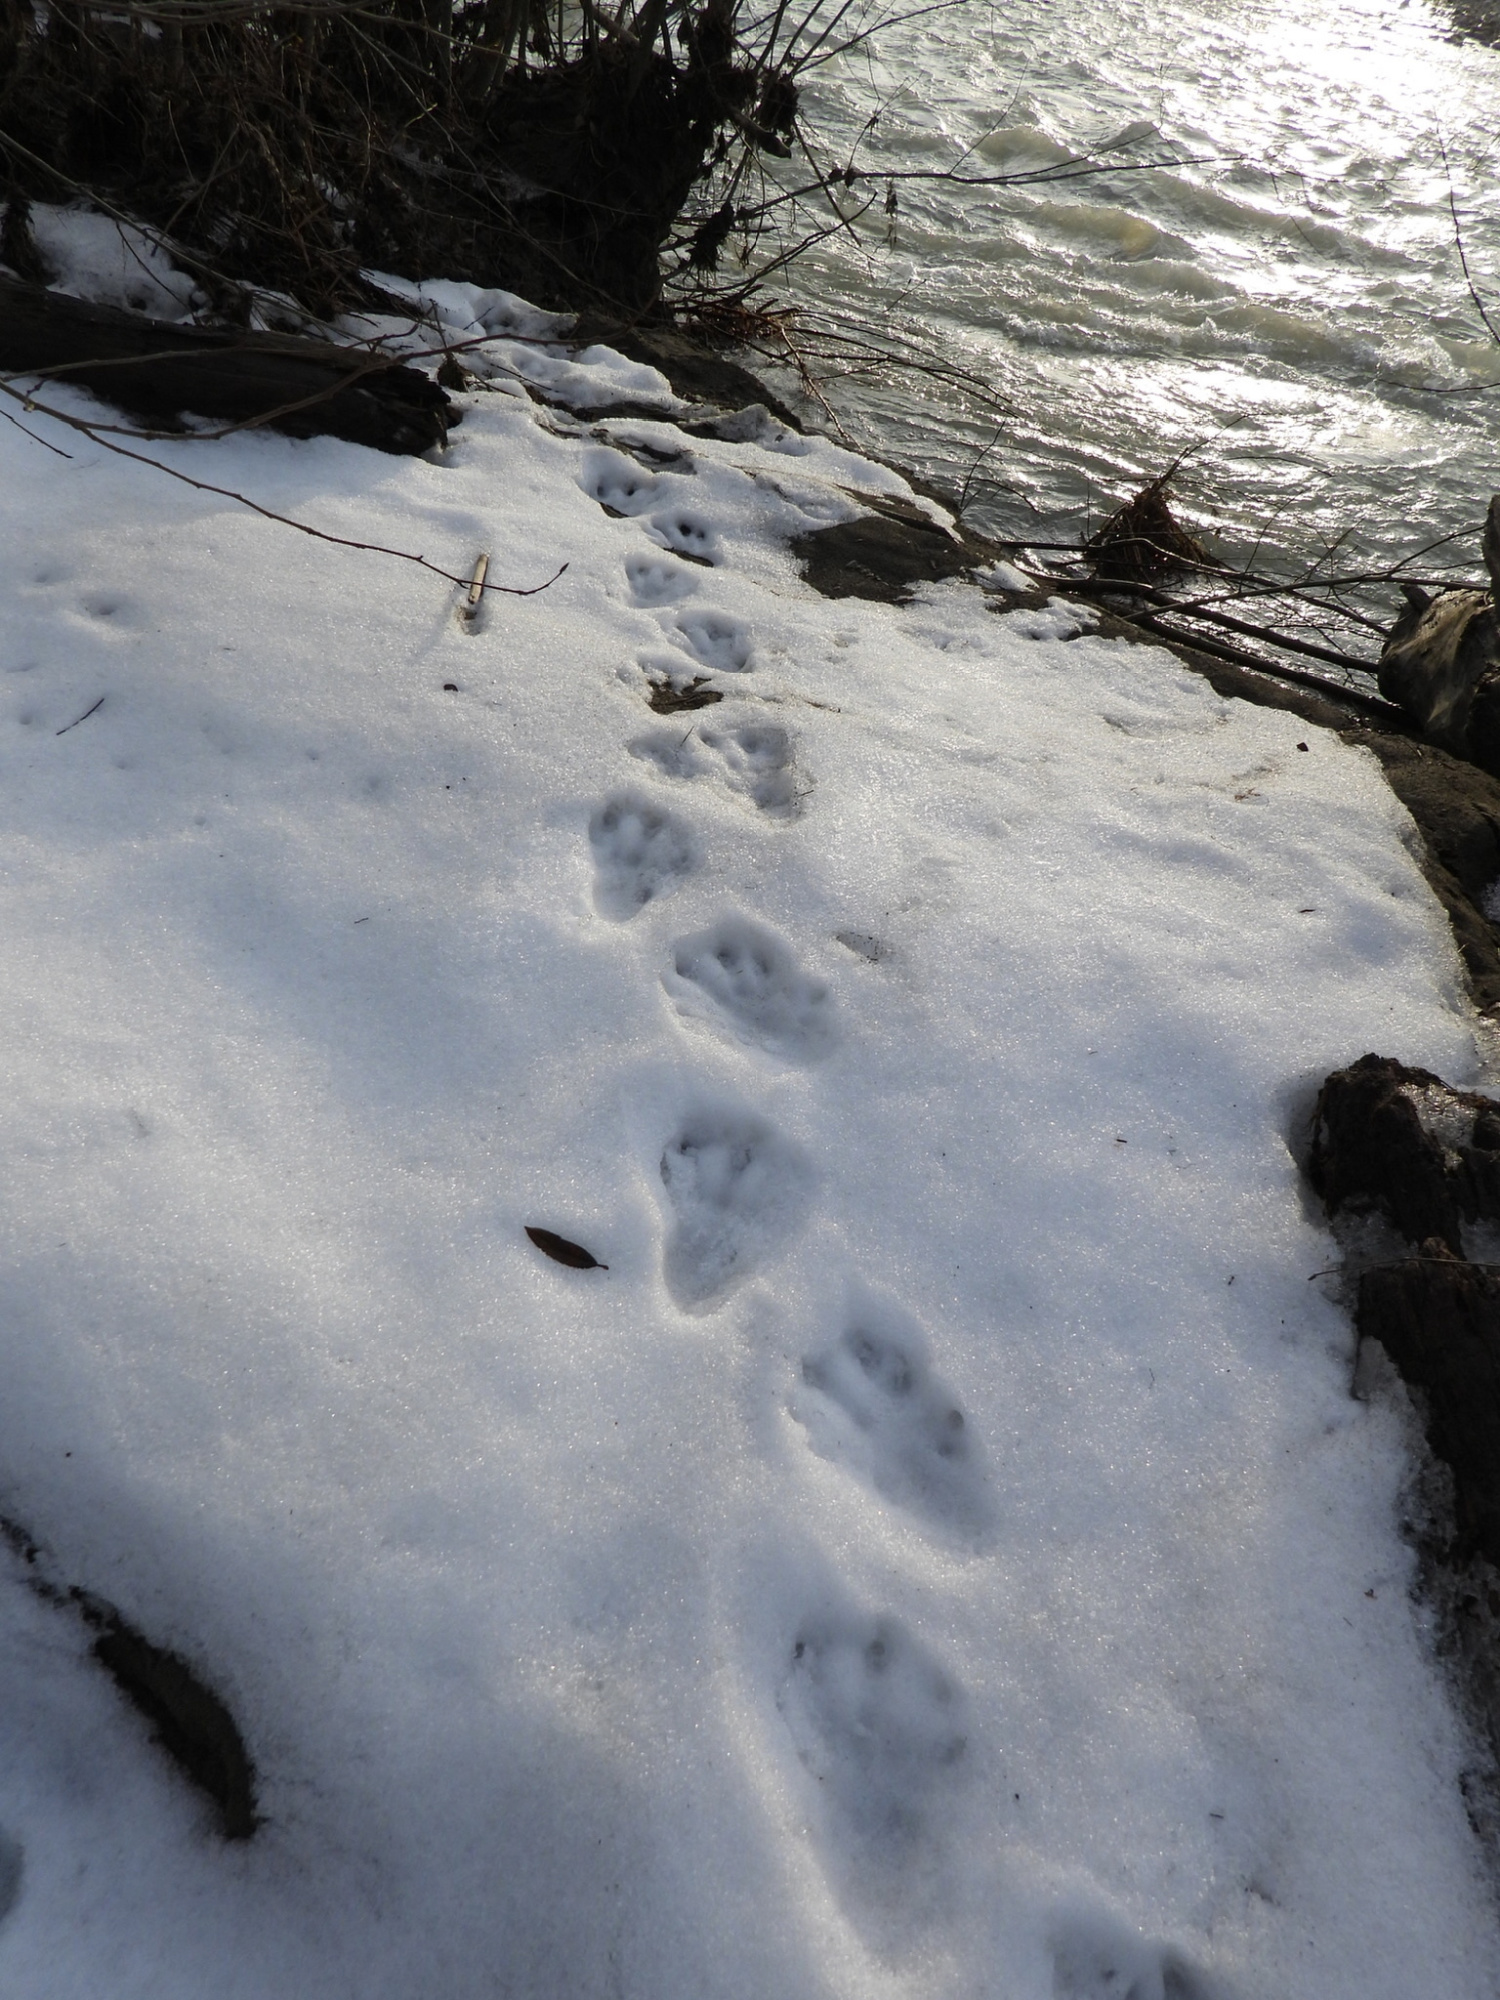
(1144, 542)
(546, 148)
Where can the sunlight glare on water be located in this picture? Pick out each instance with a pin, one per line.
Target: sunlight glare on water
(1285, 302)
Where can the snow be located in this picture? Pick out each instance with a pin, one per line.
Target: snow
(112, 263)
(940, 1555)
(500, 335)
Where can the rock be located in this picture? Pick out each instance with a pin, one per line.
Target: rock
(1401, 1141)
(696, 371)
(883, 553)
(1438, 1318)
(1405, 1143)
(752, 425)
(1436, 654)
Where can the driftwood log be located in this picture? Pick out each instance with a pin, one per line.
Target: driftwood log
(1441, 662)
(156, 371)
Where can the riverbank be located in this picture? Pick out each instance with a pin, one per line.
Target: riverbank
(1454, 805)
(934, 1536)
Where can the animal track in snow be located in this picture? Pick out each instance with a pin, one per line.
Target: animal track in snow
(618, 483)
(871, 1401)
(675, 756)
(881, 1727)
(658, 579)
(718, 641)
(736, 1193)
(745, 979)
(688, 532)
(753, 759)
(640, 853)
(757, 761)
(1095, 1957)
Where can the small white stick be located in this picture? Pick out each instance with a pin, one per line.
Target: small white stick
(476, 586)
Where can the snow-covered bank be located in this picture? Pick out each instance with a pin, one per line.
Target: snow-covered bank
(939, 1556)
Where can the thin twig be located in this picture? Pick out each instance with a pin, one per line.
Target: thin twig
(1458, 237)
(82, 718)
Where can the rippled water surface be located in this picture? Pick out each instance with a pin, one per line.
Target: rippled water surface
(1286, 300)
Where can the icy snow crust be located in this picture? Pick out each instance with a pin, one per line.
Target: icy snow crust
(940, 1555)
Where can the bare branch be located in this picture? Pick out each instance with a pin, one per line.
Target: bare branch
(1458, 237)
(94, 433)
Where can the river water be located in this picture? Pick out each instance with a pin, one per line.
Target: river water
(1285, 302)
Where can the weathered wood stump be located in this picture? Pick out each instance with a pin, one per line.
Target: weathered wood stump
(1403, 1141)
(1441, 661)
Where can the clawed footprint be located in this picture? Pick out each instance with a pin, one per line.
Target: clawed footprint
(640, 852)
(870, 1400)
(751, 759)
(735, 1192)
(687, 531)
(745, 981)
(719, 641)
(658, 579)
(881, 1727)
(618, 483)
(1096, 1957)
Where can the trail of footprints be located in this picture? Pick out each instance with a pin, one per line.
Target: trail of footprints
(876, 1720)
(734, 1189)
(873, 1716)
